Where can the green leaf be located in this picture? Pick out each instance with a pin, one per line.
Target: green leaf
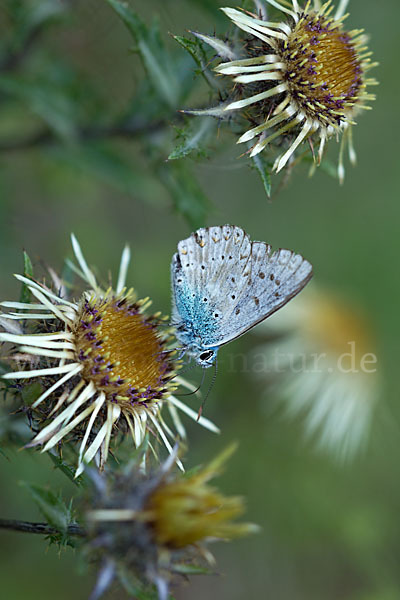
(31, 392)
(197, 131)
(28, 15)
(188, 197)
(2, 453)
(194, 47)
(66, 469)
(15, 10)
(264, 169)
(103, 161)
(28, 268)
(52, 507)
(44, 98)
(4, 368)
(44, 12)
(27, 18)
(25, 295)
(149, 45)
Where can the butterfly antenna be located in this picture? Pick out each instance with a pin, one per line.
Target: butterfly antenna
(184, 371)
(210, 387)
(198, 387)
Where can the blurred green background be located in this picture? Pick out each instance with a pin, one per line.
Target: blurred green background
(328, 531)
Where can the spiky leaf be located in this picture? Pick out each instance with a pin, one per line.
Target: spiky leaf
(264, 169)
(151, 49)
(188, 197)
(52, 506)
(66, 469)
(25, 295)
(193, 138)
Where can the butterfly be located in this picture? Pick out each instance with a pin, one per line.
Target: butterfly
(223, 284)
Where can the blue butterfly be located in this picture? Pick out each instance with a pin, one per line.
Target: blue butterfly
(223, 285)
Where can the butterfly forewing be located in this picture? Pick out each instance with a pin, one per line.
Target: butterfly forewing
(274, 280)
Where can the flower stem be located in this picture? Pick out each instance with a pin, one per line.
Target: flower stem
(43, 528)
(46, 137)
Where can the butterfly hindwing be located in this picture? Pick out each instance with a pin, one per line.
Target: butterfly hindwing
(207, 272)
(209, 254)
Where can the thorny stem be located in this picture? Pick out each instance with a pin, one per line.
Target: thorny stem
(43, 528)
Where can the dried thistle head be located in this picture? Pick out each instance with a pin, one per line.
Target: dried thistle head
(153, 524)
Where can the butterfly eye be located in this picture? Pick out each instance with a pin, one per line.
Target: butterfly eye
(206, 355)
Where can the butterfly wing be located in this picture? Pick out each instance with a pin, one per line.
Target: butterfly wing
(206, 272)
(223, 284)
(273, 279)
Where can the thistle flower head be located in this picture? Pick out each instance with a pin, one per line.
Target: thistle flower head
(102, 361)
(322, 365)
(121, 350)
(298, 79)
(187, 510)
(152, 523)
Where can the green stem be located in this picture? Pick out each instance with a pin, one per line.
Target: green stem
(43, 528)
(46, 137)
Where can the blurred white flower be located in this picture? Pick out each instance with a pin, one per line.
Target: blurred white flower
(317, 358)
